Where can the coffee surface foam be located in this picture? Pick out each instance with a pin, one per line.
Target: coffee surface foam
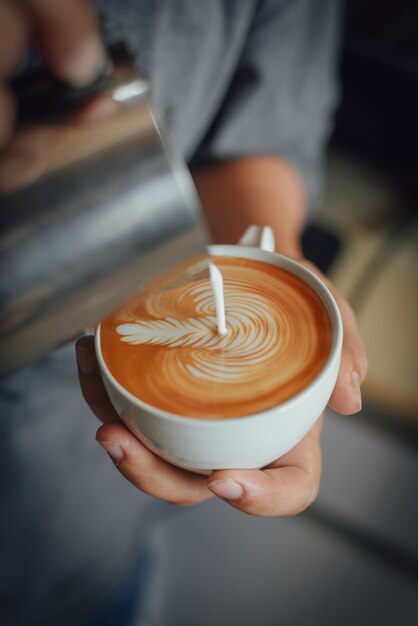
(164, 347)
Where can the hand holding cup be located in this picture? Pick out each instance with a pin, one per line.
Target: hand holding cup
(285, 486)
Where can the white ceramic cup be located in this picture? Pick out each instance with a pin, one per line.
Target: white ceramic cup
(250, 441)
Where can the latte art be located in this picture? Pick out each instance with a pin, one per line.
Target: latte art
(251, 338)
(166, 350)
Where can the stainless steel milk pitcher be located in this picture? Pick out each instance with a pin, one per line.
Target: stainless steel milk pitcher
(113, 210)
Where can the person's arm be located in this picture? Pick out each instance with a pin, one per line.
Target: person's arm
(262, 190)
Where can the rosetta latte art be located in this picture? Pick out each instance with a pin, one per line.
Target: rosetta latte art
(277, 340)
(252, 334)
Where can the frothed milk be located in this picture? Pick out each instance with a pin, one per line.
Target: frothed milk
(164, 348)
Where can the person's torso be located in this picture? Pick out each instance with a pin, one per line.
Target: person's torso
(188, 50)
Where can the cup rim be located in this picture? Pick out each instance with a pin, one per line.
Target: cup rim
(278, 260)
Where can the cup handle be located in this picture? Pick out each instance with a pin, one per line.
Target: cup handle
(259, 237)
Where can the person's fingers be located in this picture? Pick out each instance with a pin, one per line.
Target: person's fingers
(67, 34)
(91, 383)
(14, 36)
(147, 471)
(13, 39)
(40, 138)
(7, 115)
(286, 487)
(98, 109)
(346, 397)
(25, 158)
(143, 468)
(34, 149)
(17, 170)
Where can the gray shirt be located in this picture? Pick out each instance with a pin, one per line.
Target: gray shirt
(230, 78)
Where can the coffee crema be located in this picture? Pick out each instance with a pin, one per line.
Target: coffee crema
(164, 348)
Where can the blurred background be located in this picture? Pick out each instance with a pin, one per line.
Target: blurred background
(353, 557)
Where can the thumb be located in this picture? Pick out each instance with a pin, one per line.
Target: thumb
(67, 34)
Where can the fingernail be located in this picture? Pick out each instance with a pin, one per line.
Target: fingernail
(356, 382)
(84, 63)
(85, 359)
(226, 489)
(113, 449)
